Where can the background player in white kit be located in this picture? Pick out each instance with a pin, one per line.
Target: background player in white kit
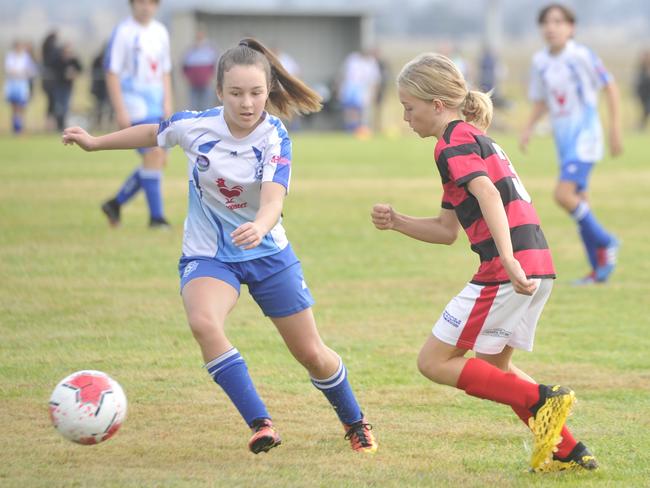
(138, 80)
(239, 166)
(565, 80)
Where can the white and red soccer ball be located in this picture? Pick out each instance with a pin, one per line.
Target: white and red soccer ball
(88, 407)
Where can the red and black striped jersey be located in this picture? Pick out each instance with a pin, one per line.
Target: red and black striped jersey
(464, 153)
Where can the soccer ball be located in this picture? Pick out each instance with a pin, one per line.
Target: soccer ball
(87, 407)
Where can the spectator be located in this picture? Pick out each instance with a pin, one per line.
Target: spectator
(384, 76)
(489, 72)
(49, 56)
(19, 69)
(102, 109)
(643, 87)
(293, 68)
(66, 70)
(199, 66)
(288, 62)
(360, 79)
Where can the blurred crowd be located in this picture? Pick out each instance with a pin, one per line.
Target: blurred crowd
(355, 94)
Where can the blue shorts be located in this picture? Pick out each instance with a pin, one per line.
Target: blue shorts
(577, 172)
(275, 282)
(17, 92)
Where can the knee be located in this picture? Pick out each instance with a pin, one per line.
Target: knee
(429, 367)
(314, 359)
(564, 199)
(204, 326)
(154, 159)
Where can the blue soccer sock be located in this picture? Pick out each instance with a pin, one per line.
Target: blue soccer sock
(337, 390)
(230, 372)
(590, 248)
(129, 188)
(17, 123)
(151, 179)
(593, 234)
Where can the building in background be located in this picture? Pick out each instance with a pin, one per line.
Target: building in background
(319, 41)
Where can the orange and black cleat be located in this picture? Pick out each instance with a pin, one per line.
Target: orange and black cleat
(264, 438)
(360, 436)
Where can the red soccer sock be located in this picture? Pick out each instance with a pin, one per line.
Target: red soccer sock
(483, 380)
(567, 443)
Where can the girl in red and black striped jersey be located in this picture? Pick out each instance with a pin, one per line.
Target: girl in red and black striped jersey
(498, 310)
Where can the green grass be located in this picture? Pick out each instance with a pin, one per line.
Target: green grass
(75, 294)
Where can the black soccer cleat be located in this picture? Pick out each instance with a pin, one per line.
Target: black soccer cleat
(112, 211)
(159, 224)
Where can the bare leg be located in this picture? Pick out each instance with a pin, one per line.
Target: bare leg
(208, 302)
(441, 362)
(303, 340)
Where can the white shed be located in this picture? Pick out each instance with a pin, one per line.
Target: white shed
(318, 40)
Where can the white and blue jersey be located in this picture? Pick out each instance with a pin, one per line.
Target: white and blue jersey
(139, 55)
(569, 83)
(225, 180)
(19, 68)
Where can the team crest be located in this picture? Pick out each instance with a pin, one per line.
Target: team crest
(191, 266)
(259, 170)
(202, 163)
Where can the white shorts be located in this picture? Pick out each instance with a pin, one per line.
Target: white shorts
(485, 319)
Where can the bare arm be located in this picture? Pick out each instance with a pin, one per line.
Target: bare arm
(495, 217)
(115, 94)
(144, 135)
(539, 109)
(250, 234)
(436, 230)
(614, 106)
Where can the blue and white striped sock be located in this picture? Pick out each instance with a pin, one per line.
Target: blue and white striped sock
(337, 390)
(230, 372)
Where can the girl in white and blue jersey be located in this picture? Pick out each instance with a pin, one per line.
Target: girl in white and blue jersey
(19, 68)
(239, 168)
(138, 66)
(565, 80)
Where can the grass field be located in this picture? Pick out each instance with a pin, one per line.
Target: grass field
(75, 294)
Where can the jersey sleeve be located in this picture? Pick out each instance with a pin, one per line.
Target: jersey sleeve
(277, 157)
(596, 70)
(167, 60)
(170, 131)
(446, 201)
(536, 85)
(114, 57)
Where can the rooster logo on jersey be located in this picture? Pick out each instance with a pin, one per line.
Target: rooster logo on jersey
(230, 193)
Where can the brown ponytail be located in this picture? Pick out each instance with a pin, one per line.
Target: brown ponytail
(288, 95)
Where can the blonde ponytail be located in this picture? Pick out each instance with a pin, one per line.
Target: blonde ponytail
(477, 109)
(432, 76)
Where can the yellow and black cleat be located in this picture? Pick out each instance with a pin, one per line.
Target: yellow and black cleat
(579, 459)
(549, 416)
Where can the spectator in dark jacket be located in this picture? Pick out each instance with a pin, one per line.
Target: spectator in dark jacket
(66, 71)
